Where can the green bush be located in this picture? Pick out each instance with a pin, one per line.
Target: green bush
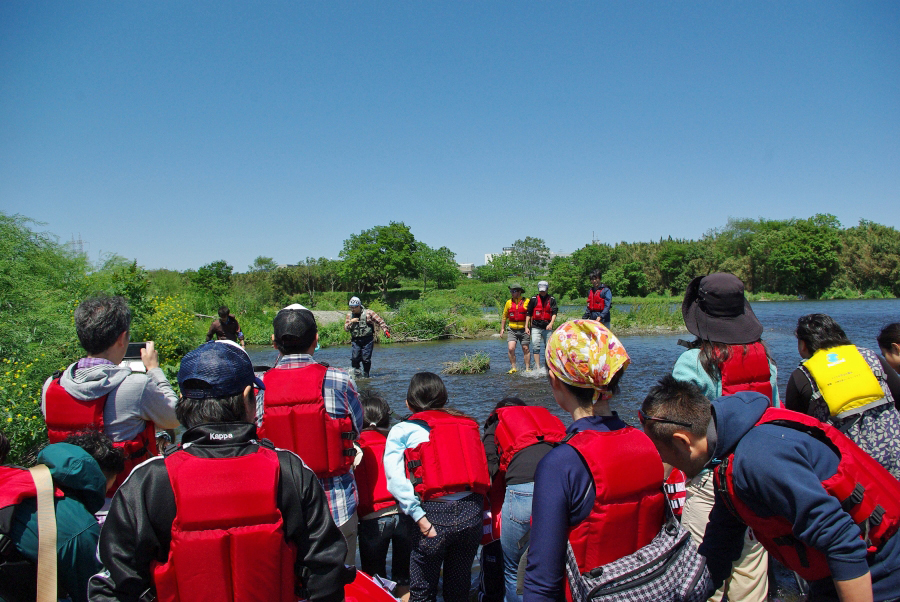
(170, 326)
(476, 363)
(20, 415)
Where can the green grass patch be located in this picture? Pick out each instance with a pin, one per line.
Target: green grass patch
(476, 363)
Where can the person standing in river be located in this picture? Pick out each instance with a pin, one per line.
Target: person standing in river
(540, 316)
(360, 323)
(599, 301)
(226, 327)
(516, 312)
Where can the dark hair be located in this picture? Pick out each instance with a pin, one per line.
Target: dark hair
(224, 312)
(426, 392)
(673, 399)
(889, 334)
(192, 412)
(596, 274)
(100, 320)
(376, 411)
(503, 403)
(713, 354)
(820, 331)
(4, 447)
(100, 447)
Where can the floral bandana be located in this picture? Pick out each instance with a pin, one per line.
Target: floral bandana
(583, 353)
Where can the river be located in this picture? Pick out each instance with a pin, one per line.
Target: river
(651, 357)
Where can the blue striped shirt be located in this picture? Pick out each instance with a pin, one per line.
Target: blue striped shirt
(341, 400)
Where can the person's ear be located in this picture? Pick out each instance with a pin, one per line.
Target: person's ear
(123, 339)
(682, 442)
(408, 407)
(249, 404)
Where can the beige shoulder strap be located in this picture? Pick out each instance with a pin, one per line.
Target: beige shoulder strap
(46, 516)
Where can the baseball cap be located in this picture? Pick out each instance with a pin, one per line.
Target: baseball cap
(355, 302)
(298, 323)
(222, 365)
(543, 285)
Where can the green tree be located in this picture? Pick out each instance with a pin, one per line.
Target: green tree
(870, 257)
(565, 277)
(499, 269)
(263, 264)
(437, 265)
(627, 279)
(379, 256)
(531, 257)
(213, 278)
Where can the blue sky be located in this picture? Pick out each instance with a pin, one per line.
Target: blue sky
(181, 133)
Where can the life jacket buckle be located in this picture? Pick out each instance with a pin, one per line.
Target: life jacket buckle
(855, 497)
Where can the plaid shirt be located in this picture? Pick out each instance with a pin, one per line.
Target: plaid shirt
(341, 400)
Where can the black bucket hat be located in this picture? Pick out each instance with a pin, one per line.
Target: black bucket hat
(715, 309)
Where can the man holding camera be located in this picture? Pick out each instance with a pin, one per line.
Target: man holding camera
(96, 392)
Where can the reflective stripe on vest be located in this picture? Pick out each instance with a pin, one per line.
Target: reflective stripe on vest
(371, 482)
(867, 492)
(521, 426)
(542, 311)
(294, 418)
(746, 369)
(451, 461)
(844, 380)
(596, 301)
(66, 415)
(629, 507)
(228, 536)
(362, 328)
(676, 491)
(517, 312)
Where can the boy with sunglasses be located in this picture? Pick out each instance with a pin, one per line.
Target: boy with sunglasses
(781, 473)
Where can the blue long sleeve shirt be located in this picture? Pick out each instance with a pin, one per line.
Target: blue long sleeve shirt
(564, 494)
(778, 472)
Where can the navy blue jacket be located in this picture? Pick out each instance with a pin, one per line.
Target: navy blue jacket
(563, 497)
(778, 472)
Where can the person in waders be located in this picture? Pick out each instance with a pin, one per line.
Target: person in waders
(515, 311)
(360, 323)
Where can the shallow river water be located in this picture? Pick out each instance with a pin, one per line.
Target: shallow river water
(651, 357)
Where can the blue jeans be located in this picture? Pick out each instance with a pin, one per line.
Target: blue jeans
(376, 535)
(515, 524)
(539, 338)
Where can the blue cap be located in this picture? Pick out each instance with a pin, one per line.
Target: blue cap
(222, 365)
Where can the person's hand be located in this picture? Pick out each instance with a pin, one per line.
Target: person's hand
(426, 527)
(501, 331)
(352, 320)
(527, 332)
(149, 356)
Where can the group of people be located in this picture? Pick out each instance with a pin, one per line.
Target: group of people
(280, 476)
(529, 322)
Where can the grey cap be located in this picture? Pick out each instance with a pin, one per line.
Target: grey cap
(543, 285)
(355, 302)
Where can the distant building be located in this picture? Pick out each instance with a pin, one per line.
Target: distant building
(467, 269)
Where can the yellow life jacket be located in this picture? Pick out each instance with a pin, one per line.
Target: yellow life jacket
(844, 379)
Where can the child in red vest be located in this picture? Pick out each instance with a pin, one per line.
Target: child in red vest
(381, 524)
(437, 471)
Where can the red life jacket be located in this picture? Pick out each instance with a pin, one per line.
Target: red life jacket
(66, 415)
(517, 312)
(521, 426)
(676, 491)
(228, 536)
(542, 311)
(295, 419)
(746, 370)
(629, 507)
(16, 486)
(365, 589)
(493, 504)
(451, 461)
(867, 492)
(371, 482)
(595, 300)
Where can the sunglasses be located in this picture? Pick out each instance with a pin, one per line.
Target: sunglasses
(644, 418)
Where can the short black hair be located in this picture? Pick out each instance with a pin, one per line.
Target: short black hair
(820, 331)
(224, 312)
(889, 334)
(100, 320)
(673, 399)
(596, 274)
(4, 447)
(376, 411)
(100, 447)
(192, 412)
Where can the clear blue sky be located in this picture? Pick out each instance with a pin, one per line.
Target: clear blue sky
(179, 133)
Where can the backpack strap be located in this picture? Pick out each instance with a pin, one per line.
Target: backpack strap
(46, 517)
